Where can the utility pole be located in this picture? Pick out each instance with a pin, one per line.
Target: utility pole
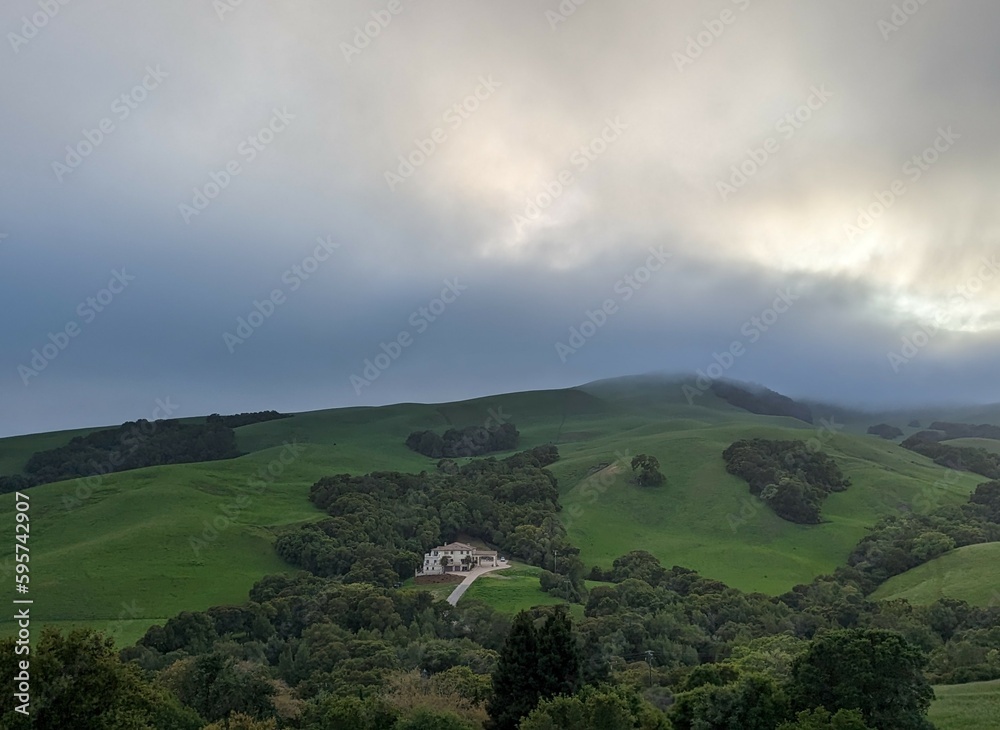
(649, 661)
(555, 561)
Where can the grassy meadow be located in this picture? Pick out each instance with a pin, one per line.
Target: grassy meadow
(973, 706)
(966, 574)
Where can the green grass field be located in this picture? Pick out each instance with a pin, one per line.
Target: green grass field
(124, 545)
(440, 591)
(965, 574)
(973, 706)
(515, 589)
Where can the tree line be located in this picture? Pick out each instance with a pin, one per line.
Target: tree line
(239, 420)
(467, 441)
(961, 458)
(132, 445)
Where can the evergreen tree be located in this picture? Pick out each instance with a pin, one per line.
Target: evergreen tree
(558, 657)
(516, 680)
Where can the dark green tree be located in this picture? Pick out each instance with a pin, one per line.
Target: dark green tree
(516, 681)
(558, 657)
(607, 708)
(216, 687)
(648, 468)
(638, 564)
(755, 702)
(874, 671)
(820, 719)
(349, 712)
(78, 681)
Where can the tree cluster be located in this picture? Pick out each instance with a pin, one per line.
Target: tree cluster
(245, 419)
(381, 524)
(961, 458)
(468, 441)
(132, 445)
(884, 430)
(787, 475)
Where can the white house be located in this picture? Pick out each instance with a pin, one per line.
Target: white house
(456, 557)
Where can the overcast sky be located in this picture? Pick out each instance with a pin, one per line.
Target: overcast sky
(446, 189)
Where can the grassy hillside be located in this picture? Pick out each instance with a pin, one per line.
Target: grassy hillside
(965, 574)
(991, 445)
(16, 450)
(116, 553)
(706, 519)
(974, 706)
(126, 547)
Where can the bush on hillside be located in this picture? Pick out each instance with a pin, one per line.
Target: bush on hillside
(885, 431)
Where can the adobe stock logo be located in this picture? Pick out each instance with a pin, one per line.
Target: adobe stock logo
(703, 40)
(424, 148)
(420, 320)
(122, 109)
(563, 12)
(249, 149)
(914, 169)
(787, 126)
(293, 277)
(31, 26)
(901, 14)
(626, 287)
(365, 35)
(958, 301)
(87, 310)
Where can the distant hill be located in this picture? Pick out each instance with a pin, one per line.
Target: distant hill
(761, 400)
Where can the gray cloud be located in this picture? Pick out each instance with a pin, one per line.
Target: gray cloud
(513, 196)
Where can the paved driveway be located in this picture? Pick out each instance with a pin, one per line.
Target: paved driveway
(471, 576)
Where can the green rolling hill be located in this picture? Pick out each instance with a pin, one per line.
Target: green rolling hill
(966, 574)
(121, 556)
